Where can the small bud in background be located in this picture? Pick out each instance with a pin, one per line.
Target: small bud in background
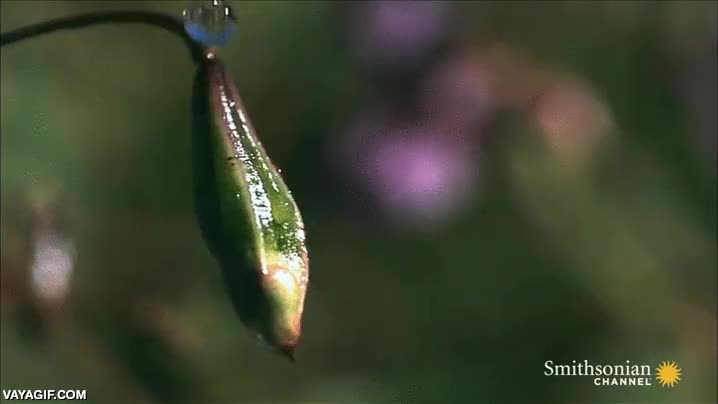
(572, 118)
(53, 258)
(37, 263)
(52, 267)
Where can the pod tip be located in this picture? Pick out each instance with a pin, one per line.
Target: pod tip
(288, 351)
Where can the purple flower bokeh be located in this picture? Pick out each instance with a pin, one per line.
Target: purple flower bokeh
(416, 174)
(459, 95)
(419, 173)
(391, 32)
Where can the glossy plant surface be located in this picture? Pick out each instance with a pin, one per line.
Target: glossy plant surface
(247, 214)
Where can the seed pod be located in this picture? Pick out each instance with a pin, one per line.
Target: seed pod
(247, 214)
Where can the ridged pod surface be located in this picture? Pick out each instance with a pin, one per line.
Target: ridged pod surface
(247, 214)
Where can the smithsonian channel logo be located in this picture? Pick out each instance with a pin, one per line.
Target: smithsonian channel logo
(667, 374)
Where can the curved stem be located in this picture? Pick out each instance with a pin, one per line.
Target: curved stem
(166, 22)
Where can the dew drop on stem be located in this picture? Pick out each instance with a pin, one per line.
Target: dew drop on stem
(210, 22)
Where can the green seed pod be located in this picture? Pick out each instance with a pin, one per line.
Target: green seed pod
(247, 214)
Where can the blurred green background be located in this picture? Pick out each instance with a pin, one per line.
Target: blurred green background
(485, 185)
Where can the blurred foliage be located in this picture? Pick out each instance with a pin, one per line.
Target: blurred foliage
(607, 254)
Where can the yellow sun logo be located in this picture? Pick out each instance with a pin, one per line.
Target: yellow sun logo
(668, 374)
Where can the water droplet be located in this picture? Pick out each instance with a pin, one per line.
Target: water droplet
(210, 22)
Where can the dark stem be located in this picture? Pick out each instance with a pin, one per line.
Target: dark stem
(166, 22)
